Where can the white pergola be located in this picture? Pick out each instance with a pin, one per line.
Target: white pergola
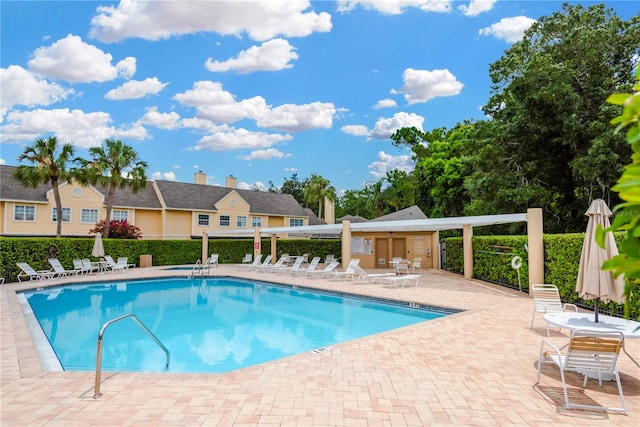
(533, 217)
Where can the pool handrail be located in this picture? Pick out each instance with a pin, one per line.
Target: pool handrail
(96, 392)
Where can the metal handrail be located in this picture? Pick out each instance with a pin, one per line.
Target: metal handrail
(96, 392)
(195, 266)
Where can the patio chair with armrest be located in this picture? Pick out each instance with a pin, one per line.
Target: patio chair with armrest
(546, 299)
(588, 353)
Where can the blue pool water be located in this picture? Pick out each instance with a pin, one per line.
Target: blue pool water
(209, 325)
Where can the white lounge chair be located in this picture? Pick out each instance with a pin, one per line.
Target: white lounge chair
(303, 271)
(371, 277)
(589, 353)
(123, 264)
(319, 273)
(28, 271)
(266, 268)
(257, 266)
(287, 270)
(546, 299)
(348, 273)
(247, 259)
(250, 264)
(59, 270)
(400, 281)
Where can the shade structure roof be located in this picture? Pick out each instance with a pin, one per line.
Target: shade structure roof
(413, 225)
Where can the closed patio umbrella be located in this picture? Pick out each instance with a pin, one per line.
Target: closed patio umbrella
(593, 282)
(98, 248)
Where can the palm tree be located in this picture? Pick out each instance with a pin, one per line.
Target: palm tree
(317, 189)
(48, 167)
(376, 200)
(115, 166)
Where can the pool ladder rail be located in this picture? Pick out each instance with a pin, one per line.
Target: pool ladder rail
(96, 392)
(199, 268)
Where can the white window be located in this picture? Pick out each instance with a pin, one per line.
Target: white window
(118, 215)
(225, 220)
(295, 222)
(256, 221)
(24, 213)
(241, 221)
(203, 219)
(89, 216)
(66, 214)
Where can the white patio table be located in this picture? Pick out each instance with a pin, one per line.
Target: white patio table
(573, 321)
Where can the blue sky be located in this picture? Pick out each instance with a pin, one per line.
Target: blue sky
(258, 90)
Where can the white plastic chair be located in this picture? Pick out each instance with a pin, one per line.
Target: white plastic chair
(546, 299)
(588, 353)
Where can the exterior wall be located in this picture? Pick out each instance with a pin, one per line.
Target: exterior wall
(177, 224)
(149, 223)
(363, 246)
(74, 197)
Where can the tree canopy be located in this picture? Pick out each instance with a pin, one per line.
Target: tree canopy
(47, 166)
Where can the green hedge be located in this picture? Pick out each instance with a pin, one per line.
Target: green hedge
(36, 251)
(492, 257)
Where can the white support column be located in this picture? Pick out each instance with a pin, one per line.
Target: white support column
(536, 245)
(467, 249)
(346, 243)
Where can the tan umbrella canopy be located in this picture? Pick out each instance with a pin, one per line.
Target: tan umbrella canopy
(98, 248)
(593, 282)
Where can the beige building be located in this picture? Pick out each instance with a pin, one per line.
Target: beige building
(162, 210)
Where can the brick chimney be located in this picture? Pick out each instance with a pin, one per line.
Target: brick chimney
(231, 182)
(200, 178)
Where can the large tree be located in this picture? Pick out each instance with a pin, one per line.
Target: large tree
(292, 186)
(47, 166)
(549, 139)
(114, 165)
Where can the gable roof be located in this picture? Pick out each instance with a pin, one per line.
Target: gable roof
(185, 196)
(12, 189)
(352, 218)
(412, 212)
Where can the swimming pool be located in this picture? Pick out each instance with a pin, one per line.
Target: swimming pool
(209, 325)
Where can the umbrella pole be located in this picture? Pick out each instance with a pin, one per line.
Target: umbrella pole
(596, 308)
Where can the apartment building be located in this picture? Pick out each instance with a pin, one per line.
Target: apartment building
(162, 210)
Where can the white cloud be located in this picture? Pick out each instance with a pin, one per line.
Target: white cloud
(387, 162)
(136, 89)
(3, 162)
(509, 29)
(297, 118)
(161, 120)
(259, 186)
(476, 7)
(384, 128)
(21, 87)
(261, 20)
(385, 103)
(74, 126)
(423, 85)
(215, 104)
(269, 153)
(395, 7)
(356, 130)
(73, 60)
(273, 55)
(166, 176)
(291, 169)
(238, 138)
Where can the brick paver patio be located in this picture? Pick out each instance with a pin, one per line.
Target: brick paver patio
(475, 368)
